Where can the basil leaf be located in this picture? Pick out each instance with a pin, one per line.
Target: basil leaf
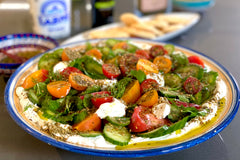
(140, 75)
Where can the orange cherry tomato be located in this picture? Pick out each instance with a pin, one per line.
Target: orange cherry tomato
(65, 56)
(132, 92)
(164, 64)
(95, 53)
(120, 45)
(59, 89)
(147, 66)
(80, 81)
(32, 79)
(91, 123)
(149, 99)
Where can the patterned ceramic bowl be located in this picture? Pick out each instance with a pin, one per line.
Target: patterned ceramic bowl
(17, 48)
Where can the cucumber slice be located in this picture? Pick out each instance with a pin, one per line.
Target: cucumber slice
(190, 70)
(169, 47)
(117, 135)
(164, 130)
(119, 121)
(173, 94)
(48, 60)
(210, 77)
(172, 80)
(90, 134)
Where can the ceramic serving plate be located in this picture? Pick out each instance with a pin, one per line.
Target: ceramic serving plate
(193, 17)
(196, 136)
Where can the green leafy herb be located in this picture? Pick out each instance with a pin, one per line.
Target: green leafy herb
(91, 89)
(89, 66)
(118, 89)
(140, 75)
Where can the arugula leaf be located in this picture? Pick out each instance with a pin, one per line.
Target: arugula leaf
(91, 89)
(87, 100)
(40, 89)
(89, 66)
(140, 75)
(80, 116)
(118, 89)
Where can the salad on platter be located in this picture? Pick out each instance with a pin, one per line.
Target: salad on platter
(117, 93)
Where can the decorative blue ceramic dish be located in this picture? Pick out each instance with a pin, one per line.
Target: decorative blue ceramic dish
(26, 43)
(225, 116)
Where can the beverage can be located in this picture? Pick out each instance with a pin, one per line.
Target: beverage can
(51, 17)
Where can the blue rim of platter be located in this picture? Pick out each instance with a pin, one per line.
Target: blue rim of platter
(9, 91)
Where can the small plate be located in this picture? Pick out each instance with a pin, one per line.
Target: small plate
(194, 19)
(224, 117)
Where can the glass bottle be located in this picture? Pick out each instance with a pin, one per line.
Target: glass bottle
(51, 18)
(102, 12)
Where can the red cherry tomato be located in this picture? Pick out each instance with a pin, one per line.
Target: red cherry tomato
(101, 93)
(127, 63)
(143, 119)
(148, 84)
(110, 70)
(192, 85)
(142, 54)
(157, 50)
(67, 71)
(196, 60)
(101, 97)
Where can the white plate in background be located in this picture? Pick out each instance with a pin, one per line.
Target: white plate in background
(195, 17)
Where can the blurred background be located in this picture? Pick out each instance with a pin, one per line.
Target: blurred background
(17, 16)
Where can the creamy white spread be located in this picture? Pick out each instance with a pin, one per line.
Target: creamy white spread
(64, 132)
(116, 108)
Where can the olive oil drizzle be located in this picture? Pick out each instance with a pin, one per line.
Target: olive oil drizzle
(161, 143)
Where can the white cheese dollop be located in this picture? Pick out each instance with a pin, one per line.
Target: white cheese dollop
(158, 77)
(112, 109)
(60, 66)
(161, 110)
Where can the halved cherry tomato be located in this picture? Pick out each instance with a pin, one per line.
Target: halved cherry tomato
(196, 60)
(128, 62)
(147, 66)
(149, 99)
(101, 93)
(164, 64)
(95, 53)
(59, 89)
(91, 123)
(132, 92)
(143, 119)
(67, 71)
(142, 54)
(35, 77)
(185, 104)
(157, 50)
(110, 70)
(192, 85)
(80, 81)
(98, 94)
(98, 101)
(65, 56)
(120, 45)
(148, 84)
